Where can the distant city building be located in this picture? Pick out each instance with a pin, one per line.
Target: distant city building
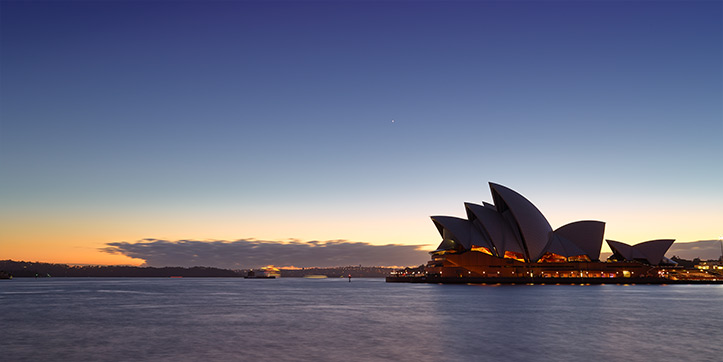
(510, 240)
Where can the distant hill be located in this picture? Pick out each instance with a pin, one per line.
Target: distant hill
(702, 249)
(36, 269)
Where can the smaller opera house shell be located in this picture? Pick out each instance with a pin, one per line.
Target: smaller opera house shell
(511, 238)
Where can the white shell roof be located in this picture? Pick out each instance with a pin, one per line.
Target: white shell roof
(498, 230)
(652, 251)
(586, 235)
(562, 246)
(534, 228)
(514, 224)
(460, 229)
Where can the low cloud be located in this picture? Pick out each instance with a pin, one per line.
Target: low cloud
(244, 254)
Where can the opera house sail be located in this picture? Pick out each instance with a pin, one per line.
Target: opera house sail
(511, 241)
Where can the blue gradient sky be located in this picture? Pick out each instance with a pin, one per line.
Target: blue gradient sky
(273, 120)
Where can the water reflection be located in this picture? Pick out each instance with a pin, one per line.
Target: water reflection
(366, 320)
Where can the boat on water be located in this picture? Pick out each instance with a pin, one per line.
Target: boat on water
(4, 275)
(267, 272)
(258, 275)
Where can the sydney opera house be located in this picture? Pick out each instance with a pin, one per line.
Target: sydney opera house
(511, 241)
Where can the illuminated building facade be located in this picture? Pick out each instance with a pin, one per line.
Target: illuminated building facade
(511, 241)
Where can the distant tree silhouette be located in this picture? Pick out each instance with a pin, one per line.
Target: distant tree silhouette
(34, 269)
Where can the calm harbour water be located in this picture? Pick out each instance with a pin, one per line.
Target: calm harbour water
(229, 319)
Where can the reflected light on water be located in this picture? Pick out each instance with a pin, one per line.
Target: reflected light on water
(365, 320)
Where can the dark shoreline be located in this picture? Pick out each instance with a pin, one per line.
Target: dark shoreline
(22, 269)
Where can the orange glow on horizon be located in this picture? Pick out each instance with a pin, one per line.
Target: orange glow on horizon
(77, 238)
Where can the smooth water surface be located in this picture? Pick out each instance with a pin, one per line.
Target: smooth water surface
(291, 319)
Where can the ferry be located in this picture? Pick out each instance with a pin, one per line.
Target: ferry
(267, 272)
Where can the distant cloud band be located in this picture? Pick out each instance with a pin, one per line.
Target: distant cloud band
(241, 254)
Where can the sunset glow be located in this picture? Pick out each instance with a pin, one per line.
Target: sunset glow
(355, 121)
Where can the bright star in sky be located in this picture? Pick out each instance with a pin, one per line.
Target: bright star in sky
(127, 120)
